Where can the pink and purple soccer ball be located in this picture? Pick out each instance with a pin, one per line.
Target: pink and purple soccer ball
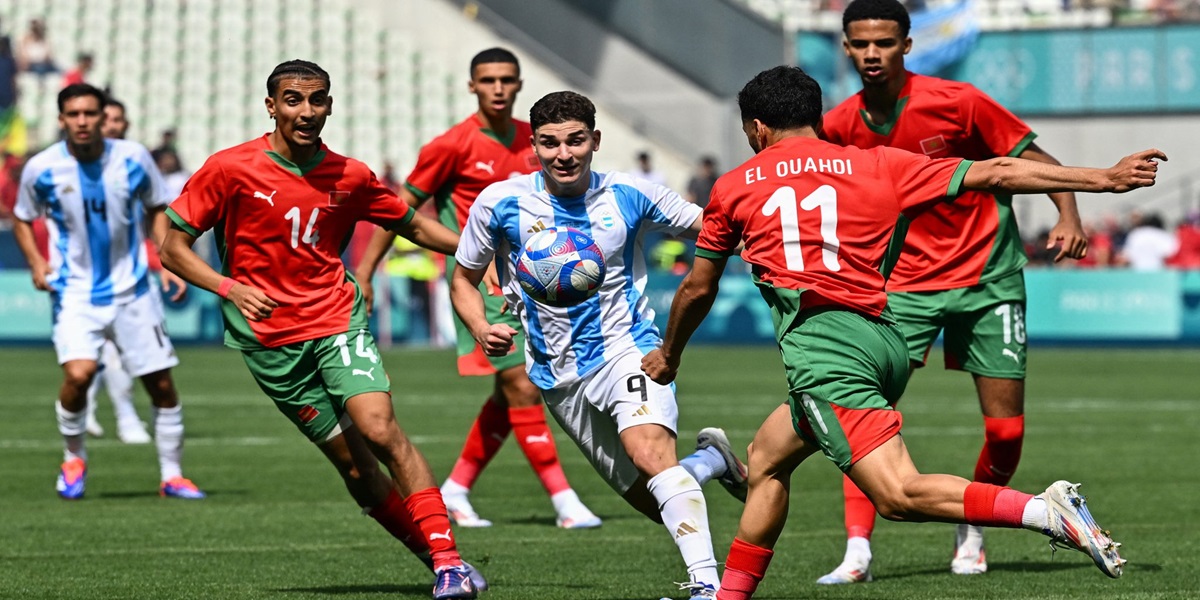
(560, 266)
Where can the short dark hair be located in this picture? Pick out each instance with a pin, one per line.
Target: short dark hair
(494, 55)
(76, 90)
(781, 98)
(560, 107)
(114, 102)
(883, 10)
(295, 69)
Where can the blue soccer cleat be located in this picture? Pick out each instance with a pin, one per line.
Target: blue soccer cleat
(481, 584)
(696, 589)
(71, 479)
(454, 582)
(179, 487)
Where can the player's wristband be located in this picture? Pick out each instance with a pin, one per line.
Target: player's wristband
(226, 285)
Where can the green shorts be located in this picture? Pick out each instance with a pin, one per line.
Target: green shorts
(311, 381)
(984, 326)
(845, 372)
(471, 358)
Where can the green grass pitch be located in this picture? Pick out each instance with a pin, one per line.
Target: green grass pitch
(279, 525)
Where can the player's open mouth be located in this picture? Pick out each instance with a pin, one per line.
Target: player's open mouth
(873, 71)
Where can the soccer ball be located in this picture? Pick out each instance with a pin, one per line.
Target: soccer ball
(560, 266)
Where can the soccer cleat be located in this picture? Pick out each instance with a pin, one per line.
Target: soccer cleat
(179, 487)
(93, 427)
(734, 479)
(697, 590)
(850, 571)
(71, 479)
(133, 434)
(461, 512)
(970, 556)
(1069, 524)
(454, 582)
(577, 516)
(477, 578)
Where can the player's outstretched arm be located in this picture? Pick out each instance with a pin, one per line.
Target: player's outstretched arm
(692, 302)
(496, 340)
(429, 234)
(178, 256)
(39, 269)
(377, 248)
(160, 224)
(1019, 176)
(1068, 233)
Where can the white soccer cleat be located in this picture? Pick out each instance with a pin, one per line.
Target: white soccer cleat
(1069, 524)
(970, 556)
(697, 590)
(734, 478)
(577, 516)
(94, 428)
(850, 571)
(462, 513)
(134, 433)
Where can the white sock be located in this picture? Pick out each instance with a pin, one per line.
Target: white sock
(120, 391)
(685, 514)
(72, 426)
(450, 488)
(92, 392)
(705, 464)
(858, 549)
(168, 437)
(564, 501)
(1034, 515)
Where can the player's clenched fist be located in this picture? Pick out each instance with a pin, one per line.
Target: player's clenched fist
(1136, 170)
(496, 340)
(251, 301)
(656, 367)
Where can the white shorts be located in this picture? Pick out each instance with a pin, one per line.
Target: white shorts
(596, 409)
(136, 327)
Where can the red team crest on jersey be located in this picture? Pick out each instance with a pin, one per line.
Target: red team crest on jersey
(933, 145)
(338, 197)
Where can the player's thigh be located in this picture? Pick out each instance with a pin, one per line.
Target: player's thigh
(80, 329)
(289, 375)
(471, 358)
(920, 316)
(595, 433)
(985, 332)
(139, 334)
(845, 373)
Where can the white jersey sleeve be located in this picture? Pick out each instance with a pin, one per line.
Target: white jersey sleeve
(29, 205)
(658, 207)
(154, 193)
(477, 241)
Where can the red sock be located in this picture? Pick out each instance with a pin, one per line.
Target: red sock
(745, 566)
(483, 442)
(395, 518)
(429, 513)
(994, 506)
(533, 435)
(860, 513)
(1001, 452)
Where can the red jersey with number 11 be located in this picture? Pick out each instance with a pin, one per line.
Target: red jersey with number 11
(281, 228)
(817, 217)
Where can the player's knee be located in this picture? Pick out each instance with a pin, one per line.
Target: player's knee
(1004, 430)
(79, 375)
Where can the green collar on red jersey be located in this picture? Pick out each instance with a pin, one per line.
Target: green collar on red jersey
(886, 128)
(506, 140)
(298, 170)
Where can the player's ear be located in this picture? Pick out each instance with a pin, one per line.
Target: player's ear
(846, 46)
(328, 105)
(595, 140)
(270, 103)
(907, 44)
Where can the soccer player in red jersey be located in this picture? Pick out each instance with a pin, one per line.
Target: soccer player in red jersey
(283, 207)
(960, 269)
(487, 147)
(815, 219)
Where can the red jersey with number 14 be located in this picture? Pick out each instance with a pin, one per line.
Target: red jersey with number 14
(974, 239)
(281, 227)
(817, 217)
(457, 165)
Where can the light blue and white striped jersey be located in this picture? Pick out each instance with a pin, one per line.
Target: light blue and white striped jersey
(94, 215)
(565, 344)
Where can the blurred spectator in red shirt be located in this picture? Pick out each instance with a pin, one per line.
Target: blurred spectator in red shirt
(78, 73)
(1188, 234)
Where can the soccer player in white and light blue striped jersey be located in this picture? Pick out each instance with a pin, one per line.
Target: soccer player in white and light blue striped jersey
(586, 359)
(94, 193)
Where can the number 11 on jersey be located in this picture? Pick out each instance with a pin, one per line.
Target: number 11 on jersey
(784, 202)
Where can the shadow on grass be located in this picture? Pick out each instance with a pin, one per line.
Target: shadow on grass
(1021, 567)
(154, 494)
(333, 590)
